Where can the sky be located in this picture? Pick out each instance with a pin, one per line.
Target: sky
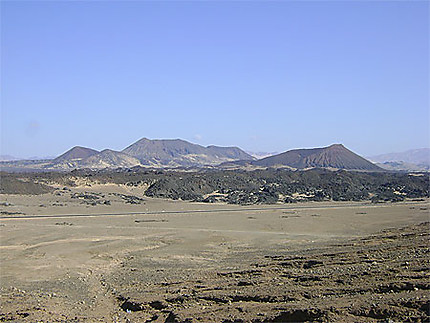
(267, 76)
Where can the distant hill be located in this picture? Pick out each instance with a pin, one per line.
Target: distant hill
(403, 166)
(177, 152)
(334, 156)
(109, 159)
(105, 159)
(232, 153)
(261, 154)
(40, 158)
(76, 153)
(420, 157)
(8, 158)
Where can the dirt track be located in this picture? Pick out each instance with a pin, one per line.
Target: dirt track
(315, 262)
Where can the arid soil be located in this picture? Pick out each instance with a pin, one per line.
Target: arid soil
(104, 254)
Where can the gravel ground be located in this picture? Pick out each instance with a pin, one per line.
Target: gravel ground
(314, 262)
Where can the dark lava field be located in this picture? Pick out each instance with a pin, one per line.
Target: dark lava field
(237, 187)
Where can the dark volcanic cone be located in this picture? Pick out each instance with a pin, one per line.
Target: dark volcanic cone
(334, 156)
(76, 152)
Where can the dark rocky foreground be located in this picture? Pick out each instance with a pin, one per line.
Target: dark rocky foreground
(379, 278)
(238, 187)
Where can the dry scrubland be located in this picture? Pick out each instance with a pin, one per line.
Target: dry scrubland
(103, 251)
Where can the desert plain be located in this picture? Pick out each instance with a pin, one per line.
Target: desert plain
(132, 259)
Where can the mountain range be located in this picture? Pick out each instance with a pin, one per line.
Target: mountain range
(170, 153)
(410, 160)
(173, 153)
(177, 153)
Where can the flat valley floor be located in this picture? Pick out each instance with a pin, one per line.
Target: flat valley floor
(66, 259)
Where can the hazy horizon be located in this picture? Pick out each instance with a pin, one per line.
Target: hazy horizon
(263, 76)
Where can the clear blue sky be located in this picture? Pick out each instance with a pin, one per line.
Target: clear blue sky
(264, 76)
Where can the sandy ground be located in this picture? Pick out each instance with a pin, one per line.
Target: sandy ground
(64, 259)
